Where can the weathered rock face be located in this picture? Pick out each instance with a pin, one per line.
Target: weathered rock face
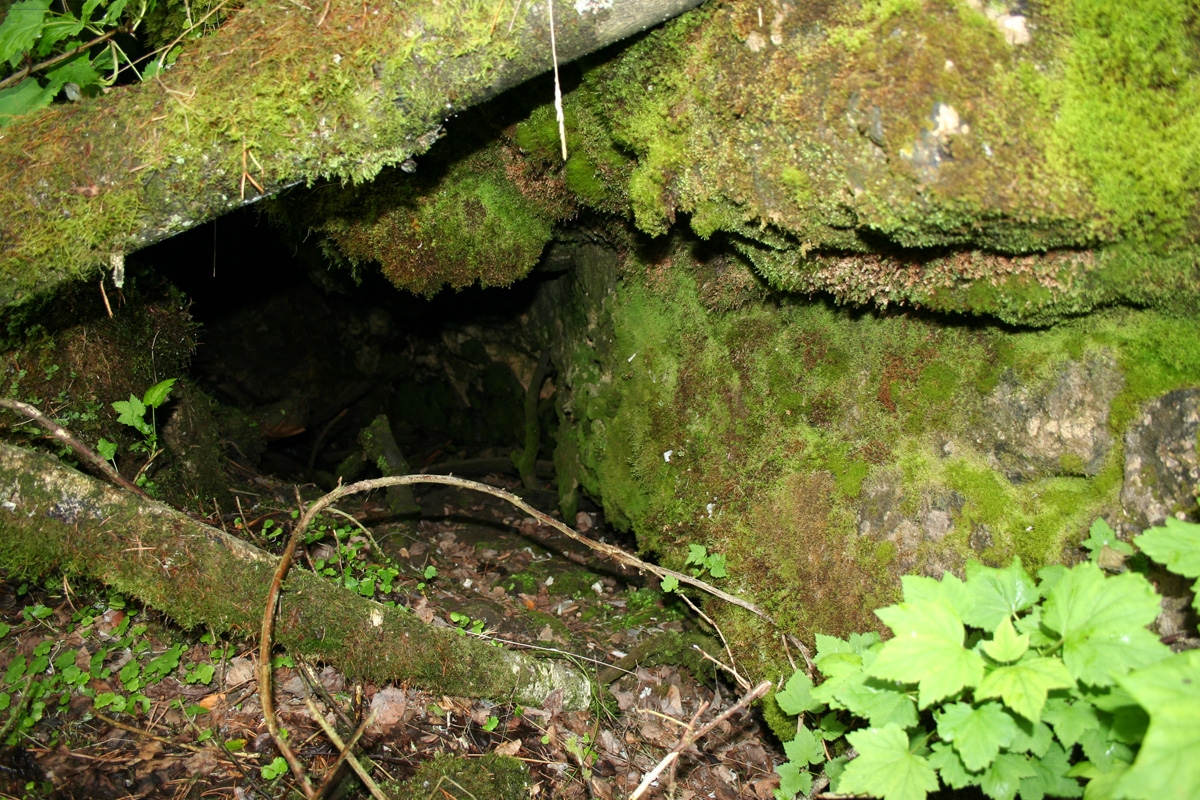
(827, 451)
(1060, 428)
(1162, 472)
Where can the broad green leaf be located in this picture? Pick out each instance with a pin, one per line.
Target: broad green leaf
(1033, 738)
(157, 394)
(26, 96)
(1025, 685)
(949, 591)
(1102, 750)
(696, 554)
(885, 767)
(106, 449)
(976, 733)
(21, 28)
(1006, 645)
(716, 565)
(78, 70)
(1168, 765)
(132, 412)
(796, 697)
(1102, 622)
(946, 761)
(1003, 778)
(1177, 547)
(878, 701)
(113, 15)
(858, 643)
(804, 749)
(1070, 720)
(669, 583)
(1050, 777)
(54, 30)
(1106, 549)
(998, 594)
(792, 781)
(927, 650)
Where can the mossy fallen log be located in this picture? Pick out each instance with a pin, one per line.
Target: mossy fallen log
(55, 518)
(281, 94)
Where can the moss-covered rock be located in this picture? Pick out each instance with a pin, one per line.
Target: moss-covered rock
(826, 451)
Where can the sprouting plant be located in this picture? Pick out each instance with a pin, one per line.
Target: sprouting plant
(702, 561)
(465, 623)
(1010, 685)
(132, 412)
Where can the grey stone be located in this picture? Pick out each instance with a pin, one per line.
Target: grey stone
(1058, 427)
(881, 516)
(1161, 466)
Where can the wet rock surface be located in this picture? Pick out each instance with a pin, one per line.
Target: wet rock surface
(1162, 471)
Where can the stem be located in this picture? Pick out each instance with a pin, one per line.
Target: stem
(21, 75)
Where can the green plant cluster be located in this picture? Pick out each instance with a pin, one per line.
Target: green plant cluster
(52, 674)
(1053, 688)
(75, 51)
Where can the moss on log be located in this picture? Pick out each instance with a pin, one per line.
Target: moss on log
(281, 94)
(52, 517)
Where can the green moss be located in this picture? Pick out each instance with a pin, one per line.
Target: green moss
(458, 778)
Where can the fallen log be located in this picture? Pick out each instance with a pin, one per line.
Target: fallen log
(282, 93)
(55, 518)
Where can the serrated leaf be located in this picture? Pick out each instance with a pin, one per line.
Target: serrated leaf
(21, 28)
(1102, 750)
(927, 650)
(1176, 546)
(696, 554)
(805, 748)
(1003, 778)
(23, 98)
(1033, 738)
(78, 70)
(954, 773)
(997, 594)
(131, 412)
(792, 781)
(949, 591)
(1024, 686)
(796, 697)
(1070, 720)
(113, 15)
(977, 734)
(1049, 777)
(1006, 645)
(669, 583)
(1102, 622)
(885, 767)
(1168, 765)
(1101, 535)
(878, 701)
(157, 394)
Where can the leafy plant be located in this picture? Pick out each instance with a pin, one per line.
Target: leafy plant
(74, 50)
(702, 561)
(132, 412)
(1014, 686)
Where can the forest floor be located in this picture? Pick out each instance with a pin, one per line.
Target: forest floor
(102, 698)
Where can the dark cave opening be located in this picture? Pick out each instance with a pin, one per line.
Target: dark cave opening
(313, 354)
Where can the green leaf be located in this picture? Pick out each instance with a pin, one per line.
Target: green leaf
(716, 565)
(106, 449)
(885, 767)
(976, 733)
(78, 70)
(1032, 737)
(878, 701)
(157, 394)
(1003, 778)
(1070, 720)
(113, 15)
(1006, 645)
(946, 761)
(927, 650)
(805, 748)
(670, 583)
(275, 769)
(696, 554)
(132, 412)
(21, 28)
(26, 96)
(1025, 685)
(1177, 547)
(997, 594)
(4, 629)
(796, 697)
(949, 591)
(1168, 765)
(1049, 778)
(1103, 623)
(1105, 548)
(792, 781)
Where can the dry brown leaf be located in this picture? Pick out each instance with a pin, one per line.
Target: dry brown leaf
(508, 748)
